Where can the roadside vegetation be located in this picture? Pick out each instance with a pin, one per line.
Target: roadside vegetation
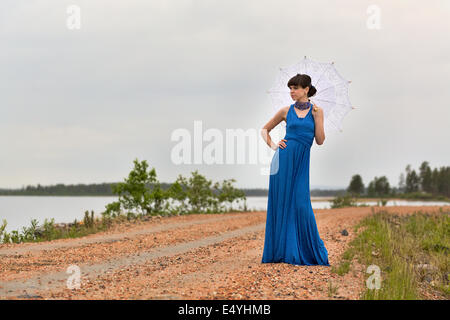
(140, 197)
(411, 252)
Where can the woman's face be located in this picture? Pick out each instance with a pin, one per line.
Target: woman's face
(297, 92)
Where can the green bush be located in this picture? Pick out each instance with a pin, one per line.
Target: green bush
(343, 201)
(141, 194)
(140, 191)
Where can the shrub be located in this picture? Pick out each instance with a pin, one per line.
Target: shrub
(343, 201)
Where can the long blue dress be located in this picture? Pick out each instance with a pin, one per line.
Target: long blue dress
(291, 234)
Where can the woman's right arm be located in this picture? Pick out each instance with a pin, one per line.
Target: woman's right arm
(277, 118)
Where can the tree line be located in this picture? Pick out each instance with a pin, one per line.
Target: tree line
(424, 183)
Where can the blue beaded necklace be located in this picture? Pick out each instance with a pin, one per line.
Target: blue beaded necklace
(302, 105)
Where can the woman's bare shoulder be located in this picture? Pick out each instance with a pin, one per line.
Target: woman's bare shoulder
(285, 111)
(281, 114)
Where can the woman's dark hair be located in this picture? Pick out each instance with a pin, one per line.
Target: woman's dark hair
(302, 80)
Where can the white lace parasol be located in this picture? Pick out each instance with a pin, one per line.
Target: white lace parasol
(331, 96)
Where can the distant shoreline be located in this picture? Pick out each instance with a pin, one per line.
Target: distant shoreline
(317, 198)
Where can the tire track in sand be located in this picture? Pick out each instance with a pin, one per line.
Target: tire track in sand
(35, 248)
(58, 279)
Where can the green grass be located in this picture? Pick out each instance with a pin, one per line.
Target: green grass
(49, 231)
(399, 246)
(344, 265)
(332, 290)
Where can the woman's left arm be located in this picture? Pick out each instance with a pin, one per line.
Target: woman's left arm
(318, 121)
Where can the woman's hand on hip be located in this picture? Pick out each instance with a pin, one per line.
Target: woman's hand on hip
(281, 144)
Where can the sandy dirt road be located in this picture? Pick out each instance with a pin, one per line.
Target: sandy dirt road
(197, 256)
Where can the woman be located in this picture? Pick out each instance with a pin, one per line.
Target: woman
(291, 234)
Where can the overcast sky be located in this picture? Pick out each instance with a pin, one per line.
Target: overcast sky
(78, 105)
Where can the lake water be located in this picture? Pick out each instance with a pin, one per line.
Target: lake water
(19, 210)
